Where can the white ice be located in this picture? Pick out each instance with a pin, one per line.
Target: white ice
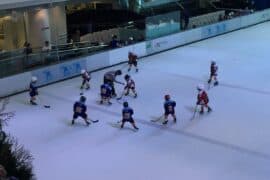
(231, 143)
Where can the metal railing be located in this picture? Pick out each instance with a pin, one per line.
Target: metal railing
(22, 62)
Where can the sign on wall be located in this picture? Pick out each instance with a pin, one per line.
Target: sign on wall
(59, 72)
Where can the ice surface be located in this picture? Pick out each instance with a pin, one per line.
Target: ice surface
(231, 143)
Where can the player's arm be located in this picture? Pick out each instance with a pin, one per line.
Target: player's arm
(119, 82)
(84, 109)
(74, 107)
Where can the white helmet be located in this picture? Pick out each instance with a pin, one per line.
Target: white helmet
(200, 87)
(34, 79)
(83, 71)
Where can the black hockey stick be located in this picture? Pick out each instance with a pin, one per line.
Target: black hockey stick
(44, 105)
(93, 121)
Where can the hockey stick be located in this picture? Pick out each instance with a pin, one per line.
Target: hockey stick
(44, 105)
(119, 98)
(158, 119)
(93, 121)
(195, 111)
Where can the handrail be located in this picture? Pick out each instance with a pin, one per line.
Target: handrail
(50, 52)
(227, 9)
(180, 5)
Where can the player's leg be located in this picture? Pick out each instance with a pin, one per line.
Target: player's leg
(174, 117)
(83, 83)
(113, 89)
(135, 65)
(134, 92)
(129, 66)
(84, 116)
(216, 81)
(202, 109)
(122, 123)
(210, 78)
(166, 118)
(133, 124)
(75, 116)
(127, 91)
(101, 99)
(88, 84)
(208, 108)
(33, 99)
(108, 100)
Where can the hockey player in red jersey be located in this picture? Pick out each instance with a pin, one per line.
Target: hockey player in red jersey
(130, 85)
(132, 60)
(86, 78)
(213, 73)
(202, 99)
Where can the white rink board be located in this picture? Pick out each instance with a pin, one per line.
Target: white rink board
(14, 84)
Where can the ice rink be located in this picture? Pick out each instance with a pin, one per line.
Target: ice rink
(231, 143)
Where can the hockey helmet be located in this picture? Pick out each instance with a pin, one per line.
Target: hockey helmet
(213, 62)
(127, 77)
(118, 72)
(125, 104)
(82, 99)
(34, 79)
(200, 87)
(167, 97)
(83, 71)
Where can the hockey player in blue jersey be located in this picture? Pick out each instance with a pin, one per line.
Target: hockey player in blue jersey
(105, 93)
(127, 113)
(169, 106)
(213, 73)
(79, 109)
(33, 90)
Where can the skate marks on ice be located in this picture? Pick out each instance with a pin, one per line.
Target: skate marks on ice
(178, 131)
(160, 128)
(221, 84)
(118, 126)
(195, 117)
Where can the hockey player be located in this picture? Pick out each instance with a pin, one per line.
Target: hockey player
(105, 93)
(86, 78)
(127, 113)
(213, 73)
(130, 85)
(79, 109)
(132, 60)
(202, 99)
(110, 78)
(33, 90)
(169, 106)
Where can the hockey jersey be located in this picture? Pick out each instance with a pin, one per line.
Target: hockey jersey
(202, 98)
(127, 113)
